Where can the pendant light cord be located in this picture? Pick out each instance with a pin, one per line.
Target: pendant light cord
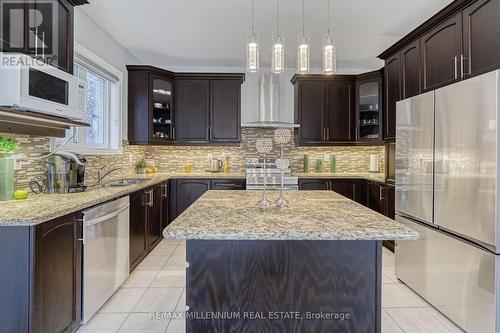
(303, 17)
(278, 15)
(328, 2)
(253, 30)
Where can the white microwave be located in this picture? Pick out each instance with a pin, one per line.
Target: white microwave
(31, 85)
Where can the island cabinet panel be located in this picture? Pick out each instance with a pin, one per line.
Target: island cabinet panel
(188, 191)
(441, 54)
(138, 246)
(155, 216)
(354, 189)
(260, 278)
(410, 70)
(481, 28)
(192, 110)
(225, 112)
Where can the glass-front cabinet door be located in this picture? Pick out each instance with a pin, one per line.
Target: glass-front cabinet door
(162, 120)
(369, 109)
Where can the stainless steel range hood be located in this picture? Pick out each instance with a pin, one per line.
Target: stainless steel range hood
(269, 105)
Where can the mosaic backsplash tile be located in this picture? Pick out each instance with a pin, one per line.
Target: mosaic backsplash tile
(173, 158)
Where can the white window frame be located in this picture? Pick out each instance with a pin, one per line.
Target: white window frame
(114, 121)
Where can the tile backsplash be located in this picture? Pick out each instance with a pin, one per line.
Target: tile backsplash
(173, 158)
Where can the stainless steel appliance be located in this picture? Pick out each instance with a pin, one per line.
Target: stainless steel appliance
(57, 170)
(78, 163)
(105, 253)
(30, 84)
(446, 187)
(255, 176)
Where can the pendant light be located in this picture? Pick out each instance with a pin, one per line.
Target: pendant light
(303, 49)
(252, 52)
(329, 53)
(278, 48)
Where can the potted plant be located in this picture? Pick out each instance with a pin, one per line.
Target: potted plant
(7, 147)
(140, 166)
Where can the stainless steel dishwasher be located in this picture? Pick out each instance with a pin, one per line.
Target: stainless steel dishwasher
(105, 253)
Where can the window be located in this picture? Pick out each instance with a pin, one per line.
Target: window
(103, 108)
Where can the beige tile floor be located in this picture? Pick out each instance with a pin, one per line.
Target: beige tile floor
(157, 285)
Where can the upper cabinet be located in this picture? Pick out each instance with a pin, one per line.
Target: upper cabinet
(208, 108)
(481, 31)
(48, 35)
(369, 118)
(459, 42)
(392, 88)
(441, 54)
(150, 105)
(324, 108)
(186, 109)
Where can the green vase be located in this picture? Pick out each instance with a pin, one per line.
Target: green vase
(6, 178)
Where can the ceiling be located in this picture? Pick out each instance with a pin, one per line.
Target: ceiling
(212, 34)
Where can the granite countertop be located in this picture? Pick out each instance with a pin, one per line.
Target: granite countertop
(39, 208)
(312, 215)
(44, 207)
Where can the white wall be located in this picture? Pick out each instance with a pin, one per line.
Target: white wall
(91, 36)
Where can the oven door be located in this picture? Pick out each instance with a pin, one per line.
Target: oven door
(49, 90)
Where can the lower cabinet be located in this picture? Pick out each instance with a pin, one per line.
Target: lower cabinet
(379, 197)
(354, 189)
(41, 276)
(184, 192)
(148, 216)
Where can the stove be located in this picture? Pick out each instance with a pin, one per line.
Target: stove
(255, 175)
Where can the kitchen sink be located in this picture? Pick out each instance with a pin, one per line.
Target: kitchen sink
(125, 182)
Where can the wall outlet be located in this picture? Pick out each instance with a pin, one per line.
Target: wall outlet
(326, 157)
(210, 156)
(17, 163)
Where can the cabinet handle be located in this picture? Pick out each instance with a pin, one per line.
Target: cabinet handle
(327, 134)
(173, 132)
(164, 190)
(456, 67)
(380, 193)
(151, 198)
(462, 65)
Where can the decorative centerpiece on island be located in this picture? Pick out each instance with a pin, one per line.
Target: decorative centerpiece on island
(264, 146)
(282, 136)
(7, 147)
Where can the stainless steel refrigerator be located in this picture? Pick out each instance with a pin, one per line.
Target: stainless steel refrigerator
(447, 188)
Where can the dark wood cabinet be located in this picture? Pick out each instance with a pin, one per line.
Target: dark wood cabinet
(41, 276)
(340, 110)
(208, 108)
(392, 94)
(155, 216)
(410, 70)
(369, 106)
(150, 105)
(481, 31)
(22, 34)
(314, 184)
(57, 284)
(375, 197)
(188, 191)
(310, 110)
(138, 245)
(225, 111)
(192, 110)
(148, 218)
(324, 108)
(441, 54)
(228, 184)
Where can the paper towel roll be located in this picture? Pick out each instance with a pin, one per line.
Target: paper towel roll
(374, 163)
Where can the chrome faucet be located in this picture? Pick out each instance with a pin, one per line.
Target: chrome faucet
(101, 174)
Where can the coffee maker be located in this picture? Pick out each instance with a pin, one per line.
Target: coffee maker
(77, 164)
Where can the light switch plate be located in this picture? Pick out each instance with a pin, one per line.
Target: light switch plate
(17, 162)
(326, 157)
(210, 156)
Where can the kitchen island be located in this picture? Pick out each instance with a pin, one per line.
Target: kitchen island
(312, 267)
